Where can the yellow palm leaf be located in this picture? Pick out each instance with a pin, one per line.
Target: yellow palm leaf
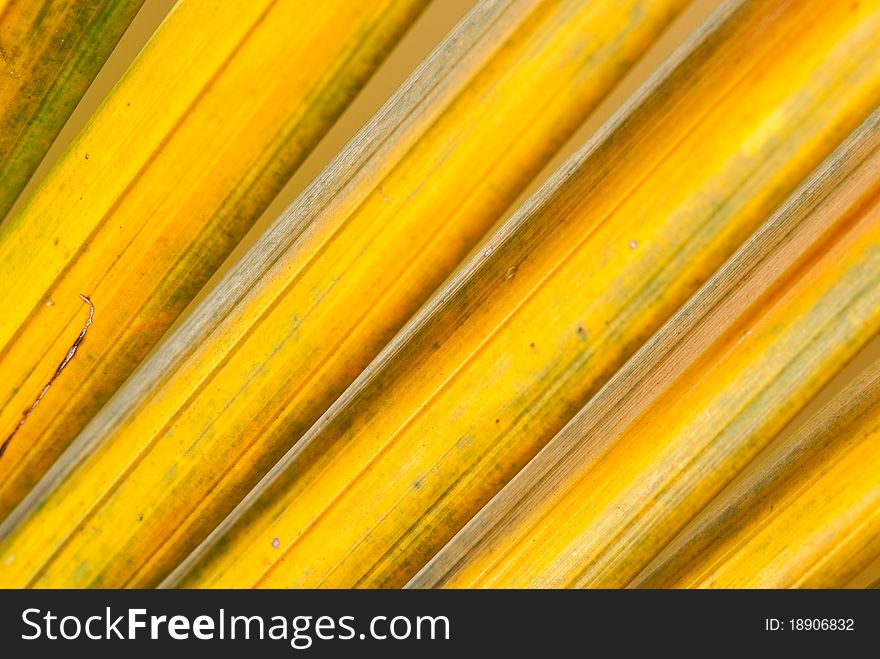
(320, 295)
(180, 159)
(50, 50)
(697, 402)
(555, 300)
(807, 516)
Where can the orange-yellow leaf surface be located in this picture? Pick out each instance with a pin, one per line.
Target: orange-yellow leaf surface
(325, 289)
(181, 158)
(553, 302)
(697, 402)
(50, 50)
(807, 516)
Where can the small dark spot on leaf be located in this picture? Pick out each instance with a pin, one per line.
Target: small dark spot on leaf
(435, 346)
(87, 156)
(497, 420)
(532, 345)
(581, 332)
(140, 518)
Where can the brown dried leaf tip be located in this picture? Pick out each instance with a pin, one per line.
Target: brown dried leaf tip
(61, 366)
